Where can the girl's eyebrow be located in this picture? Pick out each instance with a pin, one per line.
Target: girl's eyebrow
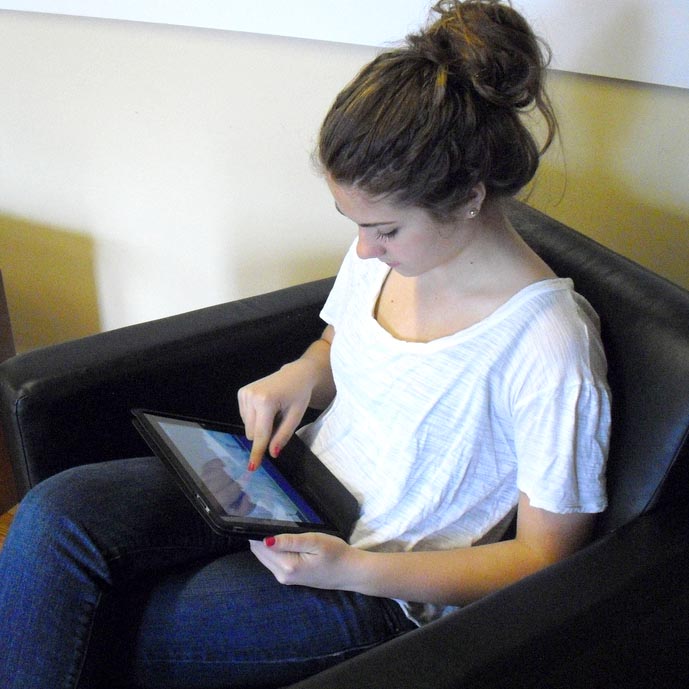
(367, 224)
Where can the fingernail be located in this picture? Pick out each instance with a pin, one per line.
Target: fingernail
(276, 450)
(251, 467)
(270, 541)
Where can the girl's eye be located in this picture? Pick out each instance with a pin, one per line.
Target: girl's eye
(384, 236)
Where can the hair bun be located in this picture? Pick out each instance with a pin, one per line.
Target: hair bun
(425, 122)
(488, 45)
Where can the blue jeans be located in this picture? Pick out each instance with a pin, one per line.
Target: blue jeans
(109, 578)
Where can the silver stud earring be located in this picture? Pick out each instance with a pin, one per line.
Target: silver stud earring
(473, 212)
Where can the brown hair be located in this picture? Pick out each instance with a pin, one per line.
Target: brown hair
(428, 121)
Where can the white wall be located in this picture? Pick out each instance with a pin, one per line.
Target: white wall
(624, 39)
(184, 153)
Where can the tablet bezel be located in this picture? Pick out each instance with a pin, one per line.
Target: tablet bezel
(305, 473)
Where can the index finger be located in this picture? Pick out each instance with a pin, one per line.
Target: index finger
(263, 431)
(258, 451)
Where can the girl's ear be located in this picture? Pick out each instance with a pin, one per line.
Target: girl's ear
(477, 196)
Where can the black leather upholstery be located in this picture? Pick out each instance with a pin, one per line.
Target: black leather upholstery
(69, 404)
(599, 618)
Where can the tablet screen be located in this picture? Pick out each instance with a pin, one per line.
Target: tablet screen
(219, 460)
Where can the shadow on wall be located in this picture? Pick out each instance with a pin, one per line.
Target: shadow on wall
(49, 283)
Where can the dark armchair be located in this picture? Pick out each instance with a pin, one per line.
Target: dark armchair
(616, 614)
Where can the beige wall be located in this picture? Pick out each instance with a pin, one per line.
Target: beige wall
(147, 170)
(622, 172)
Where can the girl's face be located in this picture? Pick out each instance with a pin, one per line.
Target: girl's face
(405, 238)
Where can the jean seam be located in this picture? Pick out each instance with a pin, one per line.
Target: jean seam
(82, 643)
(344, 654)
(395, 623)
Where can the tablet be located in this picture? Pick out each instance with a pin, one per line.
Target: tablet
(294, 493)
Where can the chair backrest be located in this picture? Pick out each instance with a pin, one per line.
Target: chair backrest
(645, 330)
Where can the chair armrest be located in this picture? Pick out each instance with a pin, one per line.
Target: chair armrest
(601, 618)
(69, 404)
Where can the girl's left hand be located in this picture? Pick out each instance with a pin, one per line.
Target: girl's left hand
(313, 559)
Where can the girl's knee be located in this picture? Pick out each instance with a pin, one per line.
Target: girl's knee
(65, 501)
(55, 495)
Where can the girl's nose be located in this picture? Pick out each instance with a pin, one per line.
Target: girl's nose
(367, 246)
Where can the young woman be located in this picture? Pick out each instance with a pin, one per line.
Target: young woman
(462, 382)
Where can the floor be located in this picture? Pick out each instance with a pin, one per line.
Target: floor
(5, 521)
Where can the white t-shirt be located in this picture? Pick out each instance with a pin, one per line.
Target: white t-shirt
(436, 439)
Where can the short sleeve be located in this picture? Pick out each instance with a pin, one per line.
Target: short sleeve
(356, 287)
(561, 442)
(335, 303)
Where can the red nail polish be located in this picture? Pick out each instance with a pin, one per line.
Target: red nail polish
(251, 467)
(270, 541)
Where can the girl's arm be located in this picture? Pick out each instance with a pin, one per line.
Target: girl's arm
(450, 577)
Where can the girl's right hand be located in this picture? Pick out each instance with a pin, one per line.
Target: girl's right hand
(272, 408)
